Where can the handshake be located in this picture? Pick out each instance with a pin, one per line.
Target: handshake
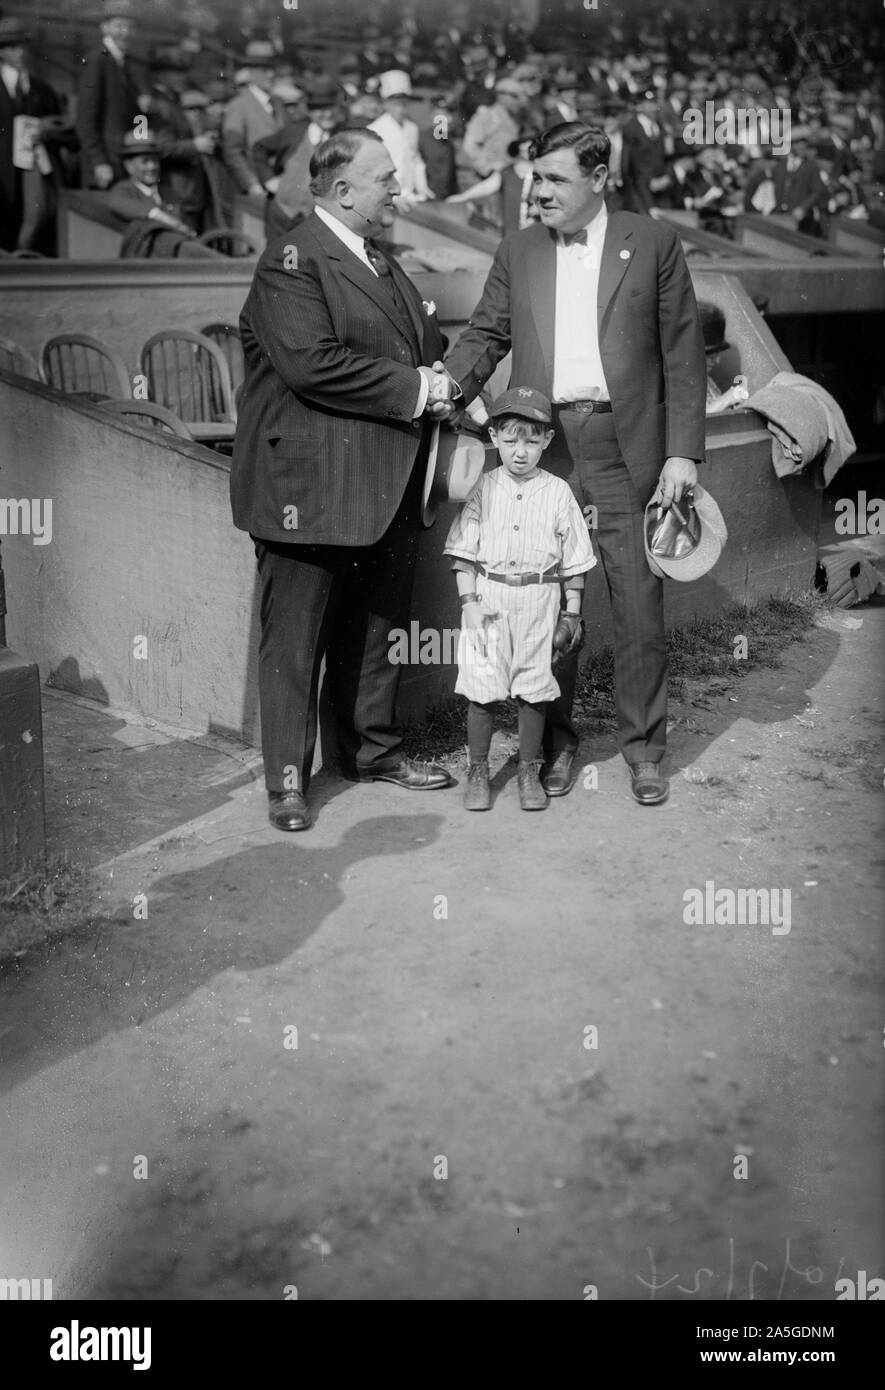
(441, 395)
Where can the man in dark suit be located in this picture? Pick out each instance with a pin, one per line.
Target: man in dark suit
(599, 311)
(327, 470)
(183, 179)
(644, 156)
(27, 195)
(108, 99)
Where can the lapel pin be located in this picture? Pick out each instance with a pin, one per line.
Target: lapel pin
(625, 255)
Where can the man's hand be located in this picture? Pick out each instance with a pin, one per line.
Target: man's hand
(440, 403)
(677, 474)
(104, 175)
(204, 143)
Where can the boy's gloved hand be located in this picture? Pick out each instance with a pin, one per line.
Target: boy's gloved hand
(568, 638)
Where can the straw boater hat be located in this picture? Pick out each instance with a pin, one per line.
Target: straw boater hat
(394, 83)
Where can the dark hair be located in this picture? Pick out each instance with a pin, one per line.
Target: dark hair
(589, 142)
(335, 154)
(534, 427)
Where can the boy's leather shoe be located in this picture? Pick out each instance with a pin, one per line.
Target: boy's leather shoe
(556, 776)
(288, 811)
(650, 786)
(532, 796)
(477, 793)
(414, 776)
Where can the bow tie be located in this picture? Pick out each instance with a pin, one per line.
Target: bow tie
(575, 238)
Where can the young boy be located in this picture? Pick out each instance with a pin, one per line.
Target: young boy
(519, 537)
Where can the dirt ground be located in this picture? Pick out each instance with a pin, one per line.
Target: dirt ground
(444, 1128)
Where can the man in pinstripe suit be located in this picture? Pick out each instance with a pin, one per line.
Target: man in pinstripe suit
(327, 469)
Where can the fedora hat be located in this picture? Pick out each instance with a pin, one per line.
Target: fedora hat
(323, 91)
(14, 34)
(260, 53)
(454, 465)
(689, 539)
(132, 145)
(118, 9)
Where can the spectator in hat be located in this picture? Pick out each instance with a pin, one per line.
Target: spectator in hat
(210, 119)
(400, 135)
(157, 227)
(513, 182)
(31, 111)
(562, 104)
(797, 183)
(478, 86)
(282, 160)
(643, 157)
(534, 112)
(250, 117)
(184, 181)
(493, 129)
(613, 109)
(713, 328)
(108, 97)
(437, 144)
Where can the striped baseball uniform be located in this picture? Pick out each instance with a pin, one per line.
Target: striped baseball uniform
(517, 526)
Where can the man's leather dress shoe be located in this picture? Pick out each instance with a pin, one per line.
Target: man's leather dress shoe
(556, 776)
(288, 811)
(412, 775)
(650, 786)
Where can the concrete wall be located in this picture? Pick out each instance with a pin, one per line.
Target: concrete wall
(142, 546)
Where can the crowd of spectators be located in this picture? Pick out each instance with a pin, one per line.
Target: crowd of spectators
(237, 106)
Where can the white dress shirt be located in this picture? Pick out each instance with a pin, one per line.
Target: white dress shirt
(114, 49)
(13, 80)
(357, 244)
(261, 97)
(577, 365)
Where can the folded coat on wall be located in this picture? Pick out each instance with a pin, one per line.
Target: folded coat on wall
(807, 424)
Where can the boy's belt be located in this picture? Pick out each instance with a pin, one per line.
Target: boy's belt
(550, 576)
(585, 407)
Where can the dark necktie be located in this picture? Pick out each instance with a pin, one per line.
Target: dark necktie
(379, 263)
(575, 238)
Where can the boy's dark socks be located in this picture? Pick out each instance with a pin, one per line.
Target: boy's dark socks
(531, 729)
(479, 730)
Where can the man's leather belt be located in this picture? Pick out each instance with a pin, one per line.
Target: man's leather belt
(585, 407)
(550, 576)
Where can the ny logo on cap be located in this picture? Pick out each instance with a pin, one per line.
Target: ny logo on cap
(524, 391)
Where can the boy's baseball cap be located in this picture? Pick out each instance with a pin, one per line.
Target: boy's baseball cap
(523, 401)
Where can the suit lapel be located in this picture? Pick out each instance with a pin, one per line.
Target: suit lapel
(352, 268)
(542, 293)
(617, 253)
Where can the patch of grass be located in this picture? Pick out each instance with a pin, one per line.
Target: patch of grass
(701, 661)
(42, 902)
